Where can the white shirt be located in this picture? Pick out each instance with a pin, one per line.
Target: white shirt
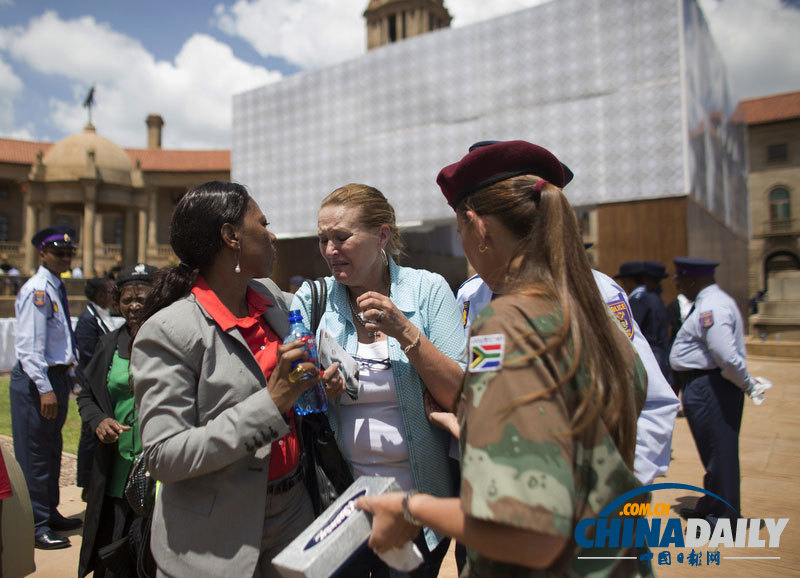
(372, 427)
(657, 420)
(713, 337)
(684, 305)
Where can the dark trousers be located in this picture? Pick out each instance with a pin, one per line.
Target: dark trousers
(713, 408)
(37, 441)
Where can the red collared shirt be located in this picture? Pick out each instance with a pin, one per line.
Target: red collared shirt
(263, 343)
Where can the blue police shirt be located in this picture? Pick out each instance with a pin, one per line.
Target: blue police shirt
(713, 337)
(657, 420)
(43, 333)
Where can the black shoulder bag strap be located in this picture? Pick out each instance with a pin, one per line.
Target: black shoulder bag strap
(328, 475)
(319, 298)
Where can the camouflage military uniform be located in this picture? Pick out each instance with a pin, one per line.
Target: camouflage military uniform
(517, 467)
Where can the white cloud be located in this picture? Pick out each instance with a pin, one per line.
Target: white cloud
(315, 33)
(10, 90)
(758, 42)
(193, 93)
(310, 33)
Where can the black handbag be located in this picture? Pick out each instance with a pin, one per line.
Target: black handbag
(140, 489)
(327, 473)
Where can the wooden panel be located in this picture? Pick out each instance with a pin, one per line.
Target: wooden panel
(709, 238)
(298, 257)
(653, 230)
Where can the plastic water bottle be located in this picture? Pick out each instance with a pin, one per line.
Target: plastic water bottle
(314, 399)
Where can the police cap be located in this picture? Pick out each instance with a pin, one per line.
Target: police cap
(489, 162)
(55, 236)
(654, 269)
(630, 269)
(694, 267)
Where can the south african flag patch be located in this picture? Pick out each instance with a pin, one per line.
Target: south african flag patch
(486, 352)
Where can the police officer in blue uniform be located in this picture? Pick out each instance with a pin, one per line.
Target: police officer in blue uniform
(41, 381)
(641, 281)
(708, 356)
(629, 277)
(655, 319)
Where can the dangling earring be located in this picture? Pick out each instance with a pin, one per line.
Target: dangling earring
(385, 258)
(237, 269)
(483, 248)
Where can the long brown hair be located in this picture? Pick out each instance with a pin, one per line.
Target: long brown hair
(554, 266)
(373, 210)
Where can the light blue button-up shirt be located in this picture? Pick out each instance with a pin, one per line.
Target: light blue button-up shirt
(657, 419)
(427, 301)
(43, 332)
(711, 337)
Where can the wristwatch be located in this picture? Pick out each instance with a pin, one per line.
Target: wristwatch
(406, 514)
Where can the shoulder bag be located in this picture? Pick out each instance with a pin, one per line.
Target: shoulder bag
(327, 473)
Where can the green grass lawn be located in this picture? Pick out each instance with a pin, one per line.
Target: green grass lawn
(72, 427)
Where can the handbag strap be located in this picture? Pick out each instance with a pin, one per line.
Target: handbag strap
(319, 298)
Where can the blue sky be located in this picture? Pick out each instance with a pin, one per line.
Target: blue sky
(184, 59)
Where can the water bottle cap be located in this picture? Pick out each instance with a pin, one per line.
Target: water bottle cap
(295, 315)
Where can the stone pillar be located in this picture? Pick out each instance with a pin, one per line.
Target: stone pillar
(129, 238)
(98, 231)
(27, 235)
(152, 221)
(88, 236)
(45, 216)
(142, 238)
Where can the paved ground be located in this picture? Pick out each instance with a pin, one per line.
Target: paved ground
(770, 469)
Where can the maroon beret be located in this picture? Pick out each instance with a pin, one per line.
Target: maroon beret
(495, 161)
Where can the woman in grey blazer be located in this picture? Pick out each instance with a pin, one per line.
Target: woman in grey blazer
(215, 386)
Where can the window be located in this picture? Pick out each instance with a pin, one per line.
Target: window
(4, 228)
(118, 231)
(780, 211)
(392, 28)
(777, 153)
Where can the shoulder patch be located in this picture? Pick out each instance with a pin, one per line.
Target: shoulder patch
(623, 314)
(486, 352)
(706, 319)
(465, 314)
(39, 298)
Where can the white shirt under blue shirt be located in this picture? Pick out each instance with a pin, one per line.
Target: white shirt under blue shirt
(657, 420)
(43, 337)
